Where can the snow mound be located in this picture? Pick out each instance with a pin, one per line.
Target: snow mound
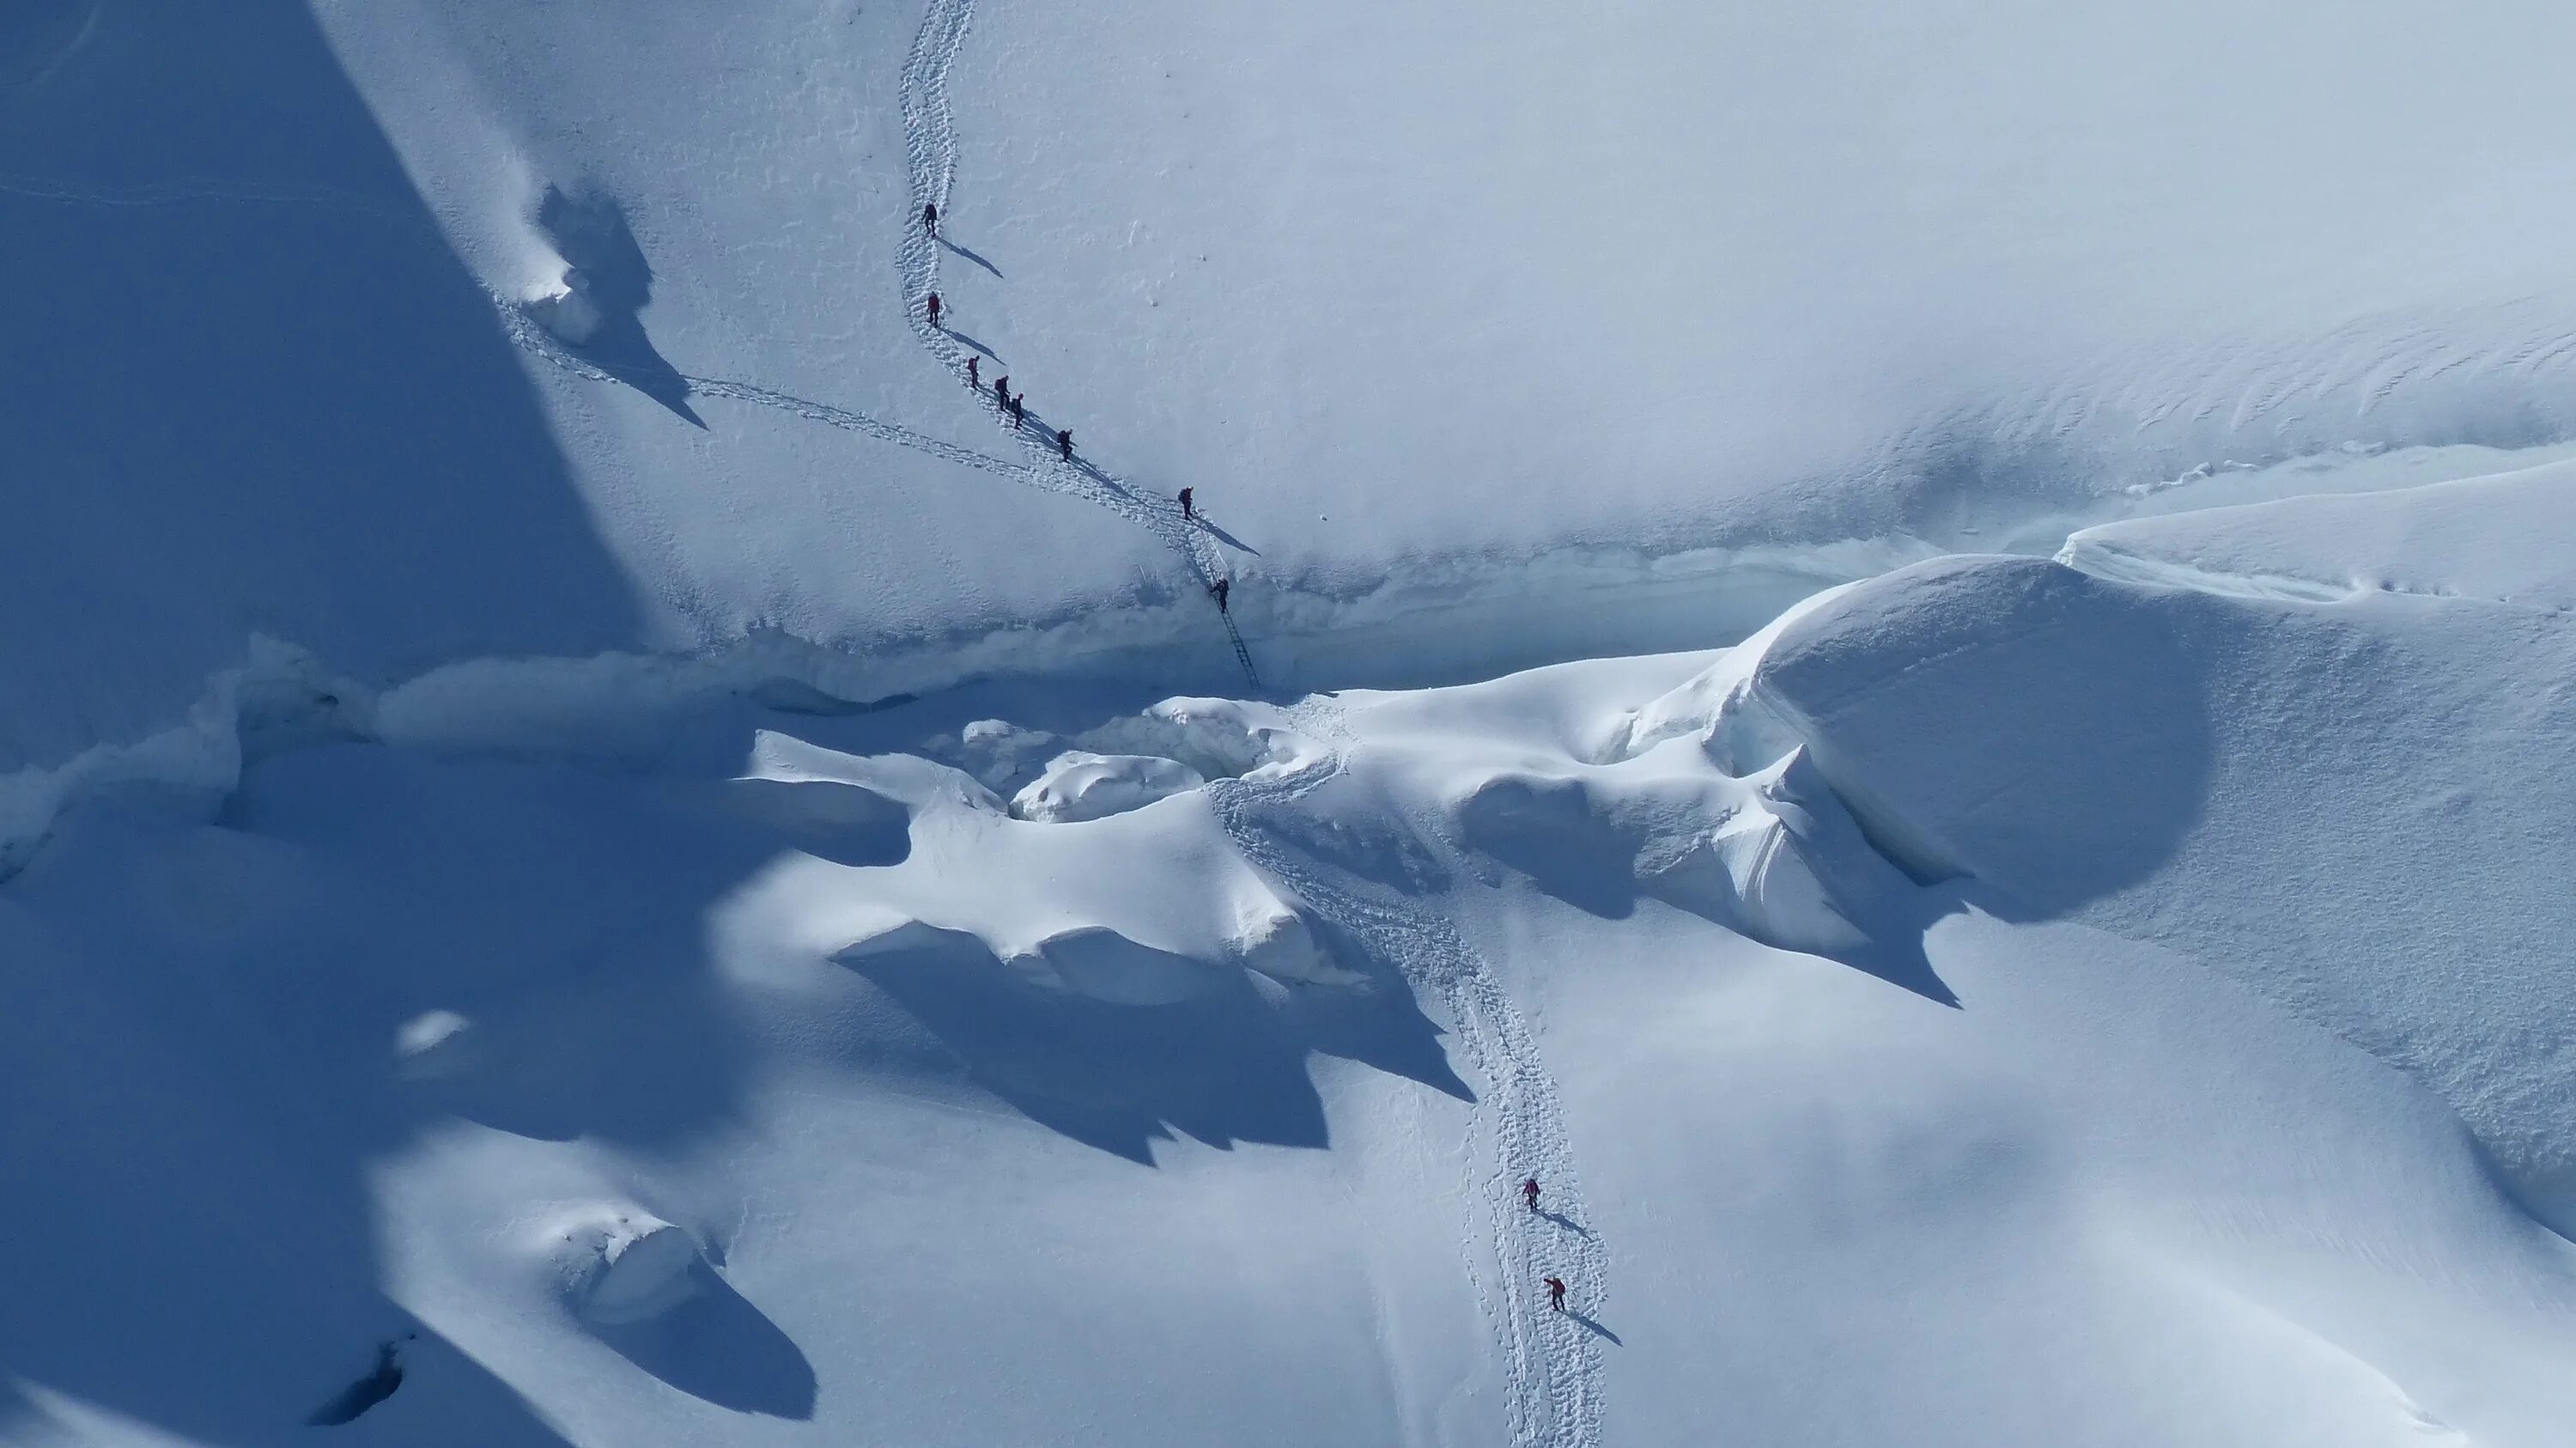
(1220, 738)
(1715, 706)
(1095, 961)
(437, 1046)
(1273, 941)
(1211, 738)
(1785, 865)
(904, 780)
(569, 313)
(1109, 901)
(1772, 855)
(621, 1265)
(2005, 718)
(2337, 805)
(1084, 786)
(1098, 962)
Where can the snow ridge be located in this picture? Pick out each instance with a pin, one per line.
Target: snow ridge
(1552, 1363)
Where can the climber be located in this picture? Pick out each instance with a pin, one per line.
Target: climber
(971, 379)
(1185, 503)
(930, 218)
(1555, 1293)
(1002, 393)
(1221, 588)
(934, 309)
(1019, 407)
(1064, 443)
(1529, 1193)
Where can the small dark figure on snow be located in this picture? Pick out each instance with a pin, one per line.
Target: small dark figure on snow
(971, 379)
(1555, 1293)
(1002, 392)
(1221, 588)
(934, 309)
(930, 219)
(1064, 443)
(1019, 407)
(1185, 503)
(1529, 1193)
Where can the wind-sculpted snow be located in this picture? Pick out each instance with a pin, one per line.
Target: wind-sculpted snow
(2346, 806)
(589, 855)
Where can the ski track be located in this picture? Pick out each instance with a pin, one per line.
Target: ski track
(1552, 1364)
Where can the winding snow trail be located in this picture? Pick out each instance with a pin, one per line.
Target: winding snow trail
(930, 148)
(1552, 1363)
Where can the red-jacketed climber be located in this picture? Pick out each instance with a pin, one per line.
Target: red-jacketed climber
(934, 309)
(1529, 1193)
(1555, 1293)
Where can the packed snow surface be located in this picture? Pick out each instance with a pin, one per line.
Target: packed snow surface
(1972, 775)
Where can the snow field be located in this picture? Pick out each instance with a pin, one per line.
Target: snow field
(559, 815)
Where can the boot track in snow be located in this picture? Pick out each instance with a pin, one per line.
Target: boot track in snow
(930, 147)
(1552, 1363)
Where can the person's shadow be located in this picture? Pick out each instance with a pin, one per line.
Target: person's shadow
(1566, 1222)
(1594, 1328)
(1222, 536)
(970, 256)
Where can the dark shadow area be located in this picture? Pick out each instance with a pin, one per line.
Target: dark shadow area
(789, 696)
(254, 392)
(1377, 1024)
(37, 37)
(1081, 464)
(208, 1259)
(248, 389)
(718, 1346)
(1565, 1223)
(561, 912)
(1222, 536)
(378, 1385)
(1894, 950)
(1551, 831)
(1595, 1328)
(609, 269)
(952, 332)
(1221, 1067)
(970, 256)
(213, 1018)
(843, 823)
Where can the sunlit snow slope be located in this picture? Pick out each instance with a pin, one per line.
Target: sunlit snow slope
(595, 849)
(1485, 321)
